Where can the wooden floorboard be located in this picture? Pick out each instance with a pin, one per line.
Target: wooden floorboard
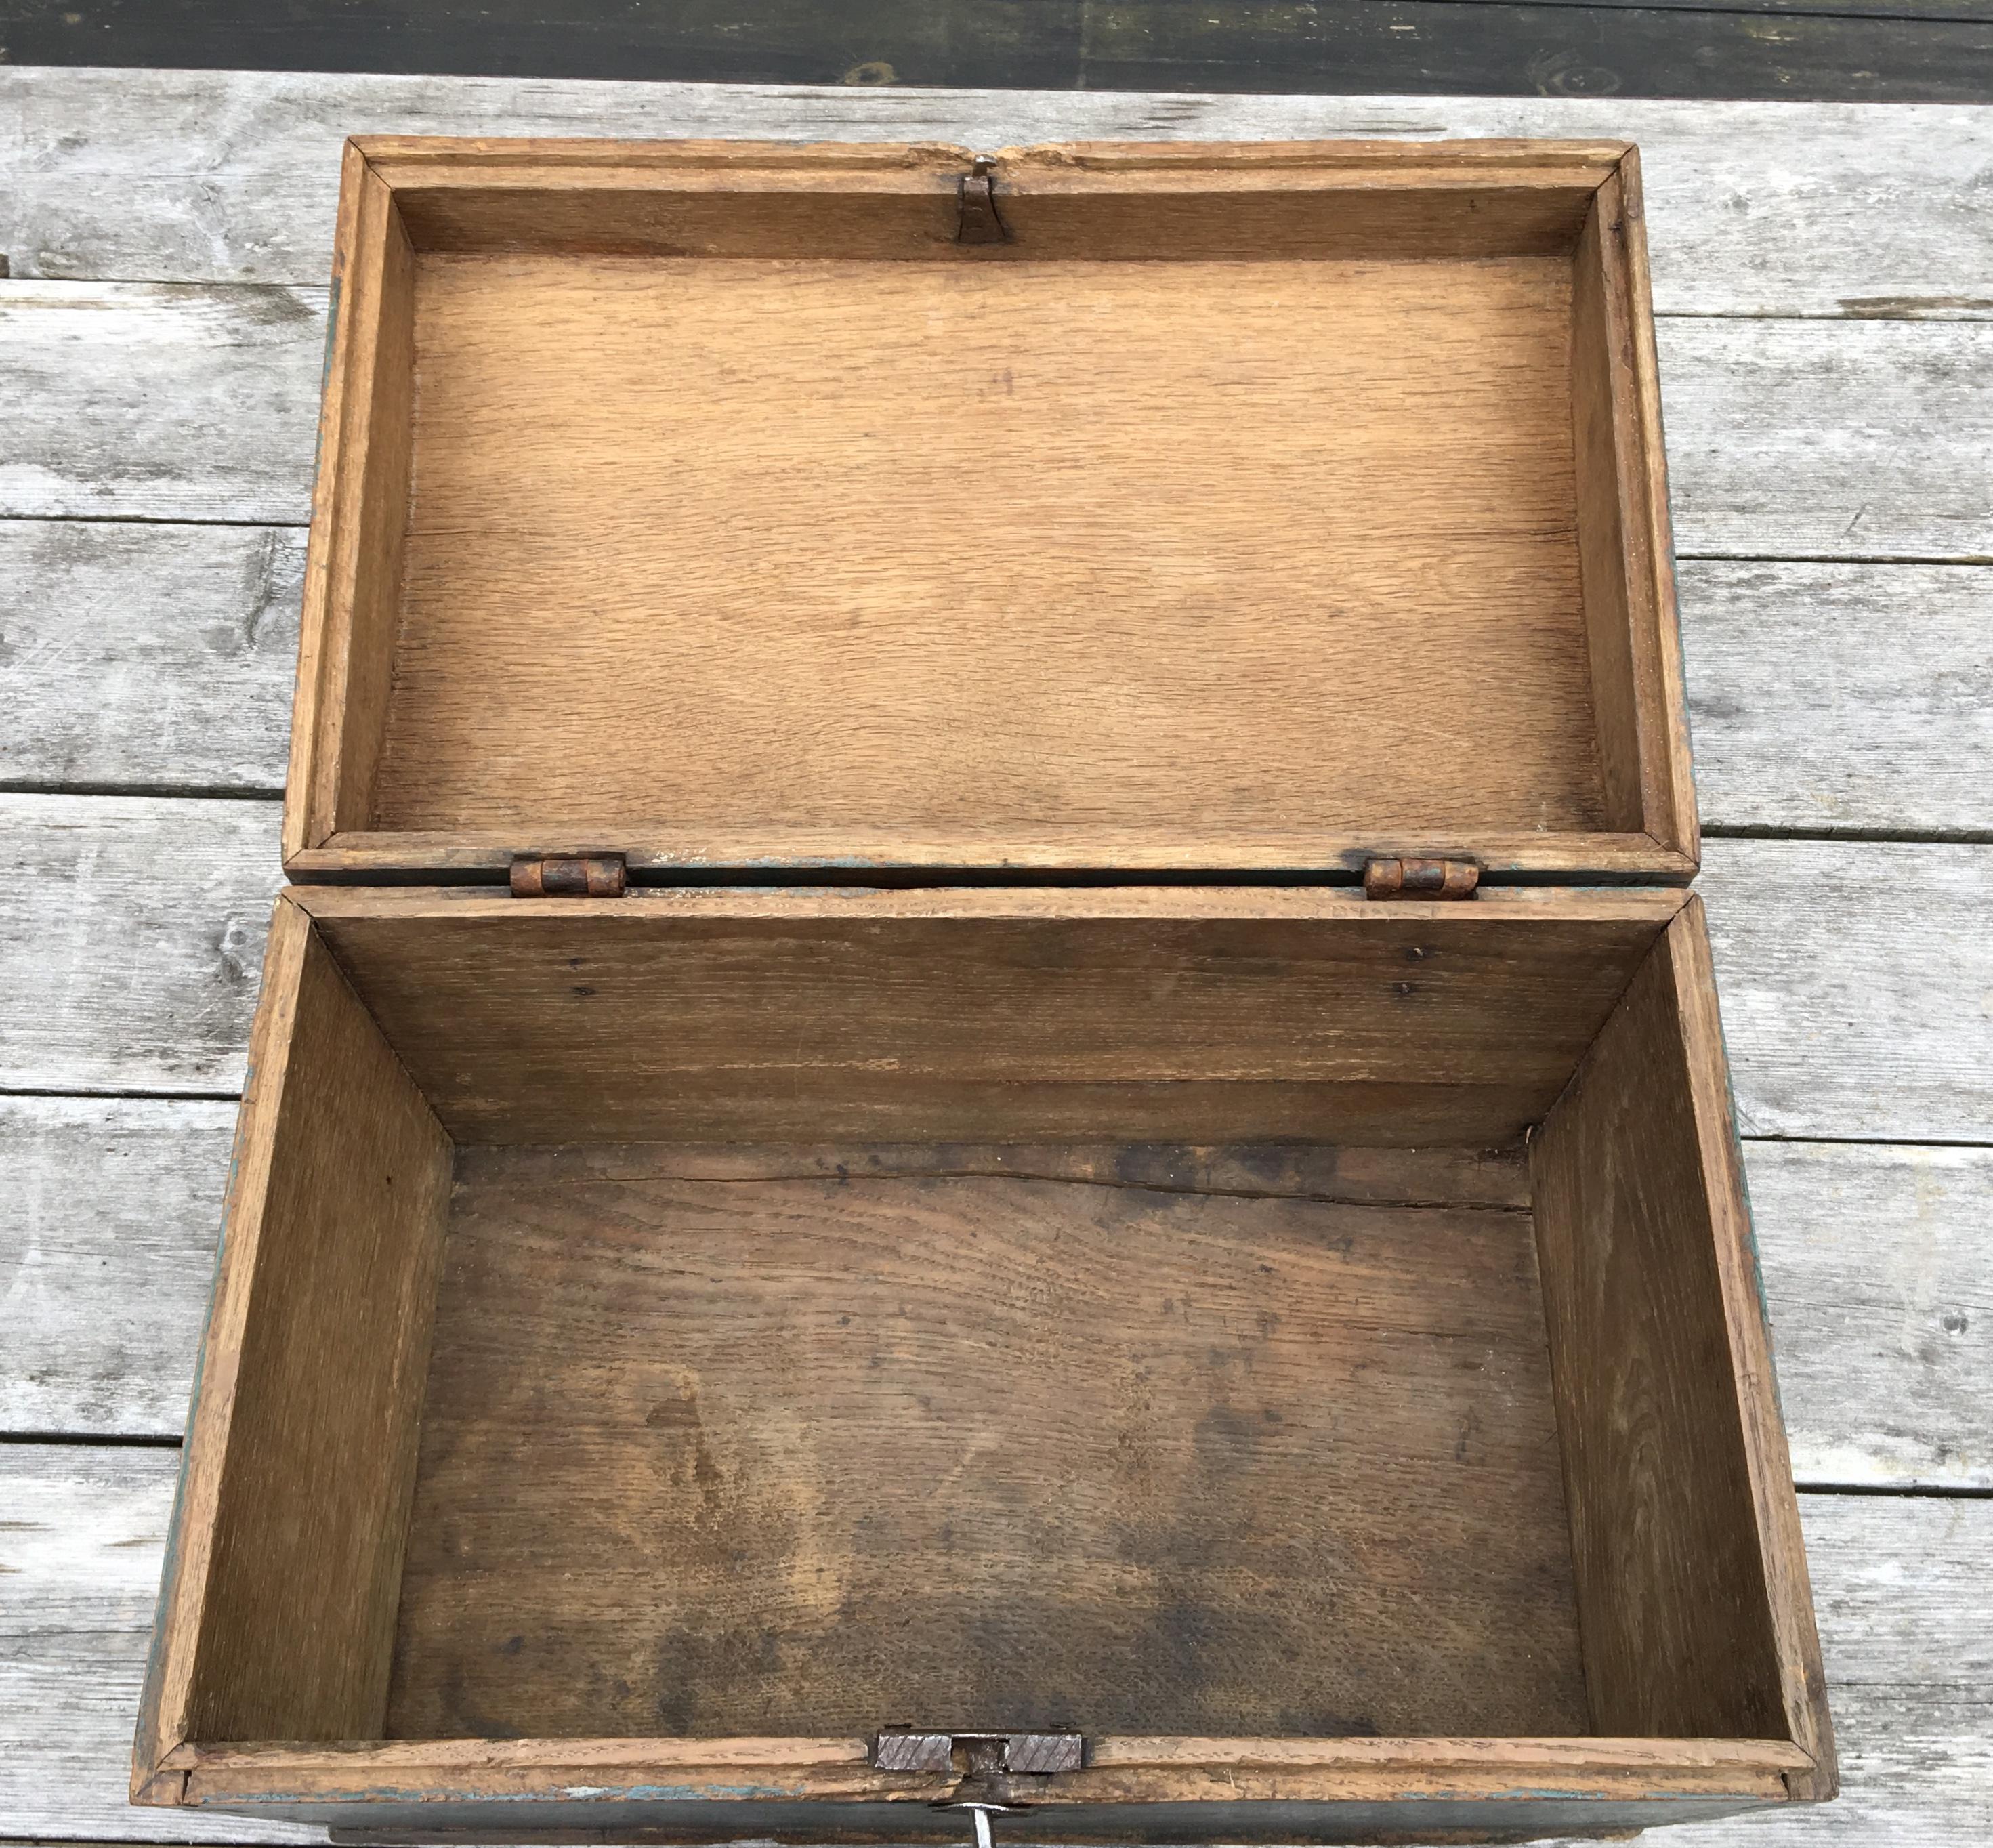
(1787, 439)
(1876, 1260)
(232, 176)
(1884, 50)
(1825, 697)
(1825, 273)
(1845, 1018)
(1891, 1575)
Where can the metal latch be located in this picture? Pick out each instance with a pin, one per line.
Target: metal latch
(978, 222)
(572, 875)
(1420, 878)
(990, 1765)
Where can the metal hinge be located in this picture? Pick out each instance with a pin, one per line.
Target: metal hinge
(978, 222)
(1420, 878)
(574, 876)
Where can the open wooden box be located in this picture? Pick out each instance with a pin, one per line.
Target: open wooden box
(1079, 1306)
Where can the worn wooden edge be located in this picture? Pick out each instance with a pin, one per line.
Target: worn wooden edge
(1548, 156)
(1632, 904)
(157, 1776)
(1118, 1770)
(1796, 1639)
(853, 855)
(332, 554)
(580, 162)
(1667, 768)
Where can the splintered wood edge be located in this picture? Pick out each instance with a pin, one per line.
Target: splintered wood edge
(158, 1750)
(1119, 1770)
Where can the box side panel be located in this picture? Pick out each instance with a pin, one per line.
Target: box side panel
(800, 1019)
(359, 519)
(162, 1719)
(294, 1514)
(1622, 490)
(1802, 1676)
(1692, 1594)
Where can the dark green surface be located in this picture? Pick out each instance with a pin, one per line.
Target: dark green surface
(1855, 51)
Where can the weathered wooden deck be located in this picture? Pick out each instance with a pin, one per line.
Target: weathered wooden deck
(1824, 274)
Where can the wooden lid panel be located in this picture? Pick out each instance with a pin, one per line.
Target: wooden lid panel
(935, 555)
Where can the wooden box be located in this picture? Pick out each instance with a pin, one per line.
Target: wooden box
(1133, 1216)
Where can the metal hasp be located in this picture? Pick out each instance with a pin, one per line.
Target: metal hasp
(577, 876)
(1420, 878)
(978, 222)
(992, 1764)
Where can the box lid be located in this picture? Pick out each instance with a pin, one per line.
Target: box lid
(885, 512)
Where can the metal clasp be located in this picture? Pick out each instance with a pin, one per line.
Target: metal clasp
(990, 1765)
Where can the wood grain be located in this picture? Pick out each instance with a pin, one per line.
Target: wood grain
(107, 1258)
(1625, 565)
(1896, 50)
(1838, 1025)
(302, 1447)
(1857, 697)
(99, 387)
(1839, 1020)
(1073, 1016)
(360, 513)
(1779, 433)
(1874, 1260)
(1898, 1581)
(817, 641)
(147, 658)
(232, 175)
(1829, 697)
(1691, 1583)
(131, 932)
(795, 1455)
(1881, 1309)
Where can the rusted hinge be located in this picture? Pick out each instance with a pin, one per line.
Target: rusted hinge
(577, 876)
(1420, 878)
(978, 222)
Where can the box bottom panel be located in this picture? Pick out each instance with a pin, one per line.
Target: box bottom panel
(800, 1440)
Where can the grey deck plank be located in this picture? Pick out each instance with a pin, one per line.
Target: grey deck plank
(1786, 439)
(1831, 473)
(108, 1249)
(1854, 979)
(1847, 697)
(132, 929)
(137, 657)
(1899, 1583)
(131, 933)
(1877, 1263)
(1754, 208)
(1852, 698)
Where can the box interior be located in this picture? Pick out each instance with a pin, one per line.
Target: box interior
(784, 1440)
(643, 1349)
(714, 531)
